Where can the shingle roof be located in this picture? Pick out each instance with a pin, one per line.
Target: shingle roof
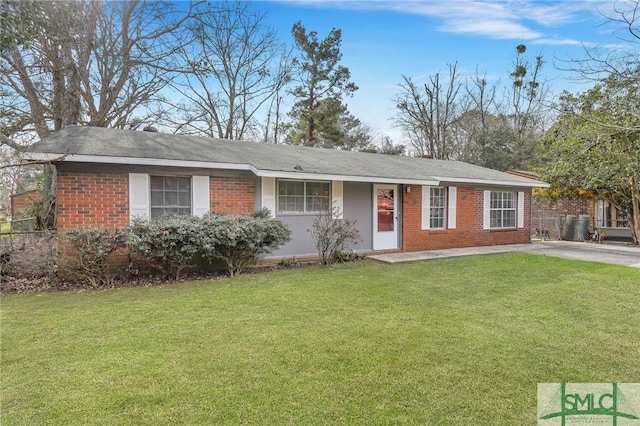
(94, 144)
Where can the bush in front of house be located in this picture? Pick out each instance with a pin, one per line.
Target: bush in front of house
(84, 254)
(174, 244)
(239, 240)
(169, 245)
(330, 235)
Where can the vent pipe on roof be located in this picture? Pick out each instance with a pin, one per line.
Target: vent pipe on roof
(149, 129)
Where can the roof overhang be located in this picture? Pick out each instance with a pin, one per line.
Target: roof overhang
(489, 182)
(134, 161)
(347, 178)
(137, 161)
(140, 161)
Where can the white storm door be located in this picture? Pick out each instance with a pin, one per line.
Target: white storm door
(385, 217)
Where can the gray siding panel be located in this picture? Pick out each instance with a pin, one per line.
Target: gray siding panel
(358, 206)
(301, 243)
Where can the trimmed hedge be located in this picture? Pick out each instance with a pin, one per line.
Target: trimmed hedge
(238, 240)
(173, 244)
(168, 245)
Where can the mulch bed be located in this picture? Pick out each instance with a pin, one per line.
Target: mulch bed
(19, 285)
(11, 284)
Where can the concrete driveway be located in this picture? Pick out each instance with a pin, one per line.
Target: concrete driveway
(616, 254)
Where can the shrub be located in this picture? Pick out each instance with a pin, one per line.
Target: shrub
(170, 245)
(84, 254)
(238, 240)
(176, 243)
(330, 235)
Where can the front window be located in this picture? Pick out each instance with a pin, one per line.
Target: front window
(437, 208)
(502, 209)
(297, 196)
(170, 196)
(434, 205)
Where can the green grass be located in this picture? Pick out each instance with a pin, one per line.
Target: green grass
(454, 341)
(5, 227)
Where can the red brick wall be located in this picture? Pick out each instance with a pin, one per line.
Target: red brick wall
(565, 206)
(20, 203)
(232, 195)
(469, 224)
(550, 216)
(87, 200)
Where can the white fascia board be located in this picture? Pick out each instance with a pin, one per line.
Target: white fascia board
(349, 178)
(489, 182)
(37, 156)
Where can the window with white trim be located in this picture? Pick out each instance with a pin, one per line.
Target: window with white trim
(170, 196)
(502, 209)
(437, 208)
(303, 196)
(434, 207)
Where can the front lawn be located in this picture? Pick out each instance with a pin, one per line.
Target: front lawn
(454, 341)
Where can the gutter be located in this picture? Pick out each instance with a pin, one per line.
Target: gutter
(140, 161)
(494, 182)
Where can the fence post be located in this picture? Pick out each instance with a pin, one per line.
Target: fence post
(51, 241)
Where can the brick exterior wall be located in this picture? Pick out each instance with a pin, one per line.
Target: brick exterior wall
(20, 203)
(86, 200)
(232, 195)
(469, 224)
(102, 200)
(550, 216)
(565, 206)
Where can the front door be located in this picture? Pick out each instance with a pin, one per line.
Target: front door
(385, 217)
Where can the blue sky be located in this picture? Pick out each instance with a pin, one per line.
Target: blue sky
(383, 40)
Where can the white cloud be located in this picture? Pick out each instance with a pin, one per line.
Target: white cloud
(492, 19)
(562, 42)
(551, 14)
(497, 29)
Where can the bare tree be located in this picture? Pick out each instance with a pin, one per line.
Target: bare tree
(599, 63)
(235, 66)
(427, 113)
(527, 94)
(501, 132)
(94, 63)
(97, 63)
(478, 106)
(481, 96)
(272, 130)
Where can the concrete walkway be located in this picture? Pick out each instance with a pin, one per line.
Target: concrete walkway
(616, 254)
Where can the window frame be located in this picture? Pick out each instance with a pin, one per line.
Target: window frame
(500, 208)
(427, 208)
(306, 198)
(177, 191)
